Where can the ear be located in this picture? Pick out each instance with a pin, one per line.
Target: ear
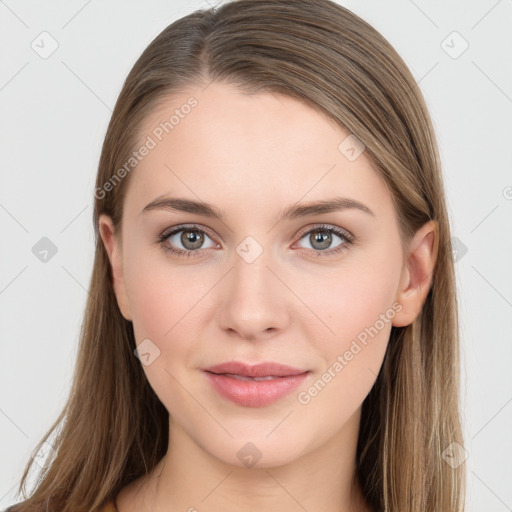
(112, 246)
(417, 273)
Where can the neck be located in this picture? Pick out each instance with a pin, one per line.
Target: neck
(191, 479)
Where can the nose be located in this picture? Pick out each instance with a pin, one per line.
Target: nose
(254, 301)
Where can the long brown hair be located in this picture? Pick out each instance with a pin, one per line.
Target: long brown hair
(113, 427)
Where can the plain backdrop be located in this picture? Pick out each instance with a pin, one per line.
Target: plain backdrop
(54, 113)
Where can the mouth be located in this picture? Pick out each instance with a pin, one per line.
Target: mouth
(255, 386)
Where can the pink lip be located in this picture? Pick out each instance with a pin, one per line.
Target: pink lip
(253, 393)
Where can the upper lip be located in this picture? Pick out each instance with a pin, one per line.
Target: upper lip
(265, 369)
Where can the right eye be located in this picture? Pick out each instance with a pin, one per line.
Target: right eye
(184, 240)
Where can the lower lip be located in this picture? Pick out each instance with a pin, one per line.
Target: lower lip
(252, 393)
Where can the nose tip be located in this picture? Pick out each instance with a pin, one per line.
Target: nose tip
(253, 303)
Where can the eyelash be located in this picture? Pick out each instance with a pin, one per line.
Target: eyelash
(345, 235)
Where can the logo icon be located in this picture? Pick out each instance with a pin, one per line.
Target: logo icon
(351, 147)
(454, 455)
(249, 249)
(147, 352)
(44, 250)
(249, 455)
(454, 45)
(459, 249)
(44, 45)
(46, 452)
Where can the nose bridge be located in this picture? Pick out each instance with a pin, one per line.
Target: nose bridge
(251, 267)
(255, 299)
(252, 281)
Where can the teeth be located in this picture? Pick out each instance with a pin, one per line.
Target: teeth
(244, 377)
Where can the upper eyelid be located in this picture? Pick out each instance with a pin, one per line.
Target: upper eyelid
(327, 227)
(191, 227)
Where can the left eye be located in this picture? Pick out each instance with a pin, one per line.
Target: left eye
(321, 238)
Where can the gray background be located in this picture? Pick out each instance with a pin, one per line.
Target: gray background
(55, 112)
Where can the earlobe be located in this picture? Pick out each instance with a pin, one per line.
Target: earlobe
(111, 243)
(417, 275)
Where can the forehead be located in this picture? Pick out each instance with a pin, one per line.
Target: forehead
(222, 145)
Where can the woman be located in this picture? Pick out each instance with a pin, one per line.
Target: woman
(272, 319)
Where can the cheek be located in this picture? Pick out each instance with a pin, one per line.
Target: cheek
(170, 305)
(361, 316)
(357, 296)
(165, 305)
(357, 303)
(164, 297)
(352, 357)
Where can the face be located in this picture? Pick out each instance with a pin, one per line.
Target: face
(316, 291)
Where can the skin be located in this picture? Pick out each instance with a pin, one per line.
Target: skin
(251, 156)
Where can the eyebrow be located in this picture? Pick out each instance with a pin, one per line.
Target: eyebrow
(291, 212)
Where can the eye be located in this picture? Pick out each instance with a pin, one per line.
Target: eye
(321, 239)
(184, 240)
